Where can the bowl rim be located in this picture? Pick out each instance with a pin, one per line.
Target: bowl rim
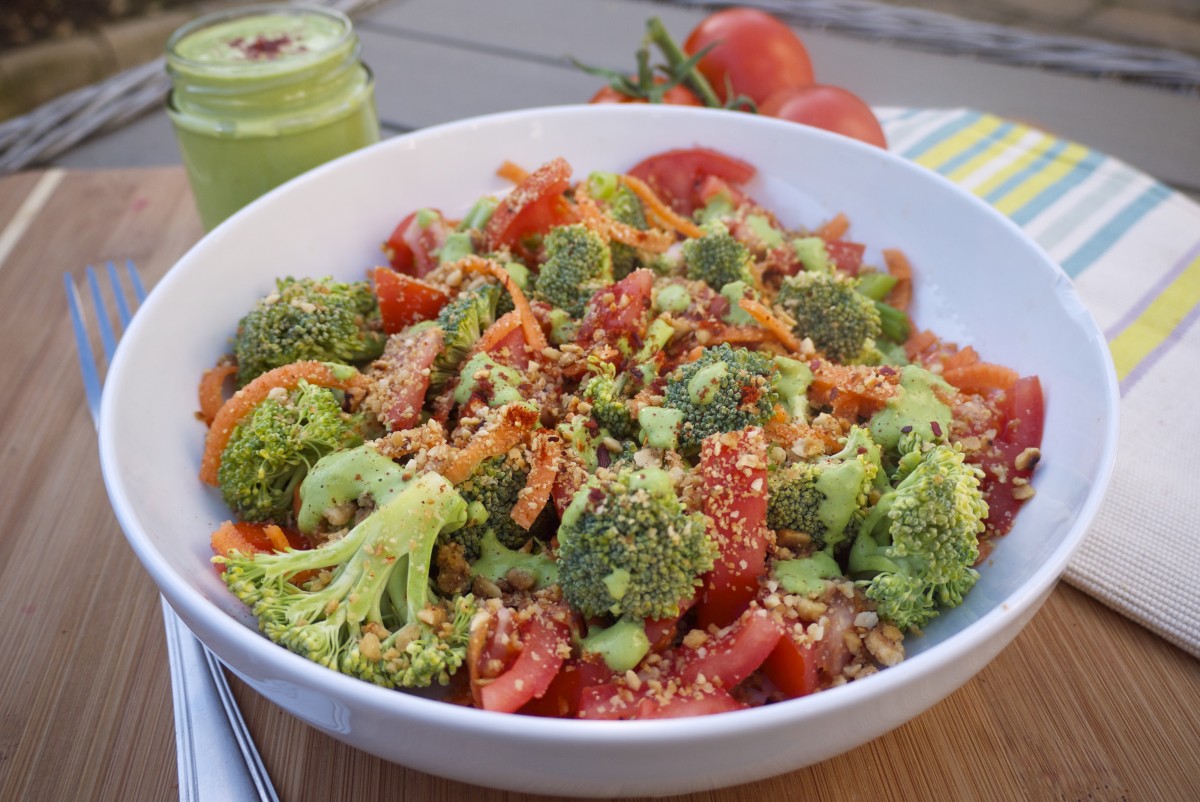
(193, 605)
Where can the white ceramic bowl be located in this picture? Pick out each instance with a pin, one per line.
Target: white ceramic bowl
(979, 281)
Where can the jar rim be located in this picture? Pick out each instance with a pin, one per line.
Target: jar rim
(244, 12)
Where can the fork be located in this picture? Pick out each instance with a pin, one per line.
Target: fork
(216, 755)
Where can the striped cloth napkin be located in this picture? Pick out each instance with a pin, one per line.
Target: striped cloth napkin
(1132, 247)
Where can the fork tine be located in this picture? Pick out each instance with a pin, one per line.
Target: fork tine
(118, 291)
(83, 349)
(107, 337)
(135, 280)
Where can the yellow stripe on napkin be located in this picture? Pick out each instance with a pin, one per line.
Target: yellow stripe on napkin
(950, 147)
(1154, 325)
(1028, 189)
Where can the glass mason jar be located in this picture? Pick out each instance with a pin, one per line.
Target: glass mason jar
(261, 94)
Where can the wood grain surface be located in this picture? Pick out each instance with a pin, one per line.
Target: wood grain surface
(1083, 705)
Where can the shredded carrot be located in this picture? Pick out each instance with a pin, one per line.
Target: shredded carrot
(659, 209)
(774, 326)
(253, 394)
(653, 240)
(981, 377)
(835, 228)
(535, 338)
(211, 390)
(495, 333)
(739, 335)
(851, 390)
(277, 537)
(547, 450)
(899, 266)
(960, 359)
(511, 426)
(919, 343)
(512, 172)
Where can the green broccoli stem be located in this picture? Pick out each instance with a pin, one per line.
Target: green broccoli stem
(893, 322)
(876, 285)
(680, 64)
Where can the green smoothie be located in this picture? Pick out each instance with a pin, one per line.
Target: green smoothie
(262, 94)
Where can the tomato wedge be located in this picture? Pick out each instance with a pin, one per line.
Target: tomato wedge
(562, 698)
(533, 207)
(403, 376)
(1024, 415)
(736, 653)
(792, 667)
(734, 467)
(678, 176)
(412, 247)
(846, 256)
(531, 674)
(404, 300)
(619, 310)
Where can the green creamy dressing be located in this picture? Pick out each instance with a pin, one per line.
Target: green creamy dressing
(915, 409)
(273, 39)
(262, 95)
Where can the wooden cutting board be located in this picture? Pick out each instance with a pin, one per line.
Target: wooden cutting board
(1083, 705)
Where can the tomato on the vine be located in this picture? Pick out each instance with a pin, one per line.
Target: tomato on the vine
(755, 54)
(677, 95)
(829, 107)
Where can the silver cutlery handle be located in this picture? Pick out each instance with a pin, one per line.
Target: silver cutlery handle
(209, 730)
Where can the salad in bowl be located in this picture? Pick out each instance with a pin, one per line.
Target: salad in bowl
(646, 452)
(625, 446)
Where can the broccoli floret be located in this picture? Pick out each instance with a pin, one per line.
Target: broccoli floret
(491, 493)
(370, 613)
(725, 390)
(822, 498)
(578, 263)
(915, 550)
(625, 207)
(627, 546)
(842, 323)
(603, 392)
(273, 448)
(308, 318)
(717, 258)
(496, 561)
(462, 321)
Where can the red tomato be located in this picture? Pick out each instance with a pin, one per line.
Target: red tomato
(735, 654)
(847, 256)
(696, 703)
(533, 207)
(755, 54)
(678, 95)
(399, 255)
(601, 702)
(531, 674)
(620, 310)
(1024, 415)
(792, 667)
(407, 360)
(678, 177)
(736, 502)
(412, 248)
(404, 300)
(827, 107)
(562, 698)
